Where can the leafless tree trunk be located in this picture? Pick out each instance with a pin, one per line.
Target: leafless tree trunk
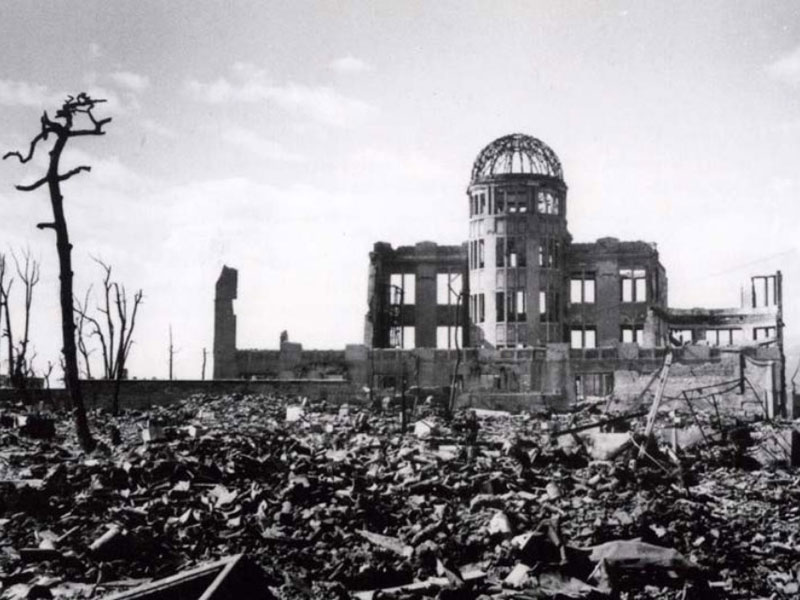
(29, 275)
(115, 334)
(63, 129)
(171, 352)
(80, 310)
(5, 291)
(205, 355)
(125, 335)
(20, 367)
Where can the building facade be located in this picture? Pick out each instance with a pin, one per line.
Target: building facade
(519, 280)
(521, 314)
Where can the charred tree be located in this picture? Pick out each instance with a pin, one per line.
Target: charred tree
(171, 352)
(80, 330)
(62, 128)
(29, 275)
(20, 361)
(6, 282)
(113, 330)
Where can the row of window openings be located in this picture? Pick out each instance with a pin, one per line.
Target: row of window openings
(511, 306)
(450, 285)
(402, 288)
(721, 337)
(633, 287)
(446, 337)
(510, 252)
(586, 337)
(580, 337)
(546, 203)
(501, 226)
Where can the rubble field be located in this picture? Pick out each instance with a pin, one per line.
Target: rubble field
(334, 502)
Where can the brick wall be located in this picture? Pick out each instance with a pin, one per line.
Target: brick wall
(144, 393)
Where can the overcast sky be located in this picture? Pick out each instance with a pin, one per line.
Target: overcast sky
(284, 139)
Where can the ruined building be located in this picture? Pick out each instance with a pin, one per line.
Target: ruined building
(519, 308)
(520, 281)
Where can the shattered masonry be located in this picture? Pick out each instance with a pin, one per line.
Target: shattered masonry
(225, 323)
(536, 316)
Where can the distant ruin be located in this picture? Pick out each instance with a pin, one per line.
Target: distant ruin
(520, 314)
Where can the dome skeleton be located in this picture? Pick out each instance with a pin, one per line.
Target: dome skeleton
(516, 154)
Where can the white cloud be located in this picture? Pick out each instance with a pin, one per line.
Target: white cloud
(159, 129)
(350, 64)
(108, 172)
(377, 164)
(22, 93)
(249, 84)
(786, 68)
(131, 81)
(252, 142)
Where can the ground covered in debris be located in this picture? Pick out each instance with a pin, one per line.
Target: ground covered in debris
(336, 503)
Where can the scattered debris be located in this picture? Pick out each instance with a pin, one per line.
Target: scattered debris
(330, 502)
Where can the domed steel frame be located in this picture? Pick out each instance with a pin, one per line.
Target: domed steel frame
(516, 154)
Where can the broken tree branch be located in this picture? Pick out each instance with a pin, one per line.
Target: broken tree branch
(73, 172)
(35, 185)
(24, 159)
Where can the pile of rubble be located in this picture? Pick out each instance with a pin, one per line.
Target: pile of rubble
(336, 502)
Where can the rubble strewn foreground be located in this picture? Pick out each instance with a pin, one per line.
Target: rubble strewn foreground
(333, 502)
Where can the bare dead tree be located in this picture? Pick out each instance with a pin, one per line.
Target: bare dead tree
(29, 274)
(63, 128)
(6, 282)
(20, 360)
(80, 326)
(205, 356)
(171, 352)
(114, 330)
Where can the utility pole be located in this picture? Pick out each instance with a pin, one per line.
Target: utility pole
(171, 352)
(454, 378)
(403, 395)
(779, 333)
(205, 354)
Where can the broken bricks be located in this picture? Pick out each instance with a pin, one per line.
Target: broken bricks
(30, 424)
(323, 505)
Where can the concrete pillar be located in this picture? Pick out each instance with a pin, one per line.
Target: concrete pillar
(607, 292)
(425, 305)
(225, 325)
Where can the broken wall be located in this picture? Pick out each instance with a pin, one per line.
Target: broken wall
(144, 393)
(291, 362)
(225, 325)
(729, 382)
(419, 310)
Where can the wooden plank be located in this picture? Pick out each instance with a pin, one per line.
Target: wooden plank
(651, 418)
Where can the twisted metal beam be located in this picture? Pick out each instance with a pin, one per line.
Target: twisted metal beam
(516, 154)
